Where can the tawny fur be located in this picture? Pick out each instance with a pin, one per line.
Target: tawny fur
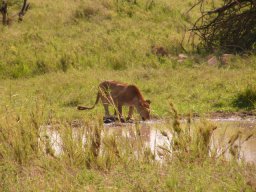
(119, 94)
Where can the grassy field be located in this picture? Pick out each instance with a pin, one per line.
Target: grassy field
(193, 90)
(85, 42)
(55, 59)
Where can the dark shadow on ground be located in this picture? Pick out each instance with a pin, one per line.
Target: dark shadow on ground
(113, 119)
(246, 99)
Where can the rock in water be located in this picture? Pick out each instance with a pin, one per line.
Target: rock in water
(108, 121)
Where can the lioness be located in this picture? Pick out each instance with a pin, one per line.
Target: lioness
(118, 94)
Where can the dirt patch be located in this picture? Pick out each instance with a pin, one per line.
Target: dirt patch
(215, 116)
(224, 115)
(232, 116)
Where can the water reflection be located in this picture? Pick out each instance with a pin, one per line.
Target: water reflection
(246, 149)
(151, 135)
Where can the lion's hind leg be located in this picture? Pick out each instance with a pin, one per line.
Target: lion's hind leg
(107, 114)
(107, 118)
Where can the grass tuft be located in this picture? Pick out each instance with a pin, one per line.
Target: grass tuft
(246, 99)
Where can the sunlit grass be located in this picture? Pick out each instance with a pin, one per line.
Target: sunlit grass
(196, 90)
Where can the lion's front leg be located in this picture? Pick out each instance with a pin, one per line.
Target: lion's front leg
(130, 113)
(120, 114)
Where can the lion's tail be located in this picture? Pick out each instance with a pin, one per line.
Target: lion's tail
(87, 108)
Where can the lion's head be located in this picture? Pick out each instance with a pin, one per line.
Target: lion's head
(144, 109)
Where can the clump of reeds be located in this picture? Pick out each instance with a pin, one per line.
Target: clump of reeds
(188, 143)
(234, 144)
(19, 136)
(191, 143)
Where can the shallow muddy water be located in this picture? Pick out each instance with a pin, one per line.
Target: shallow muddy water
(152, 136)
(227, 128)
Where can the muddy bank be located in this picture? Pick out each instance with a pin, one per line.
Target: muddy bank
(243, 117)
(219, 116)
(224, 115)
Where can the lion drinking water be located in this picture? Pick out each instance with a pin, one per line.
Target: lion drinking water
(118, 94)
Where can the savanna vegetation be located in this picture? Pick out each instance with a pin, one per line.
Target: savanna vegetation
(55, 58)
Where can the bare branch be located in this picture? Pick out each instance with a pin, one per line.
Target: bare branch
(231, 27)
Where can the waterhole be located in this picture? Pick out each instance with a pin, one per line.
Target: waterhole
(156, 135)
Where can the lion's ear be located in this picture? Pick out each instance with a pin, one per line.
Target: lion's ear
(148, 101)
